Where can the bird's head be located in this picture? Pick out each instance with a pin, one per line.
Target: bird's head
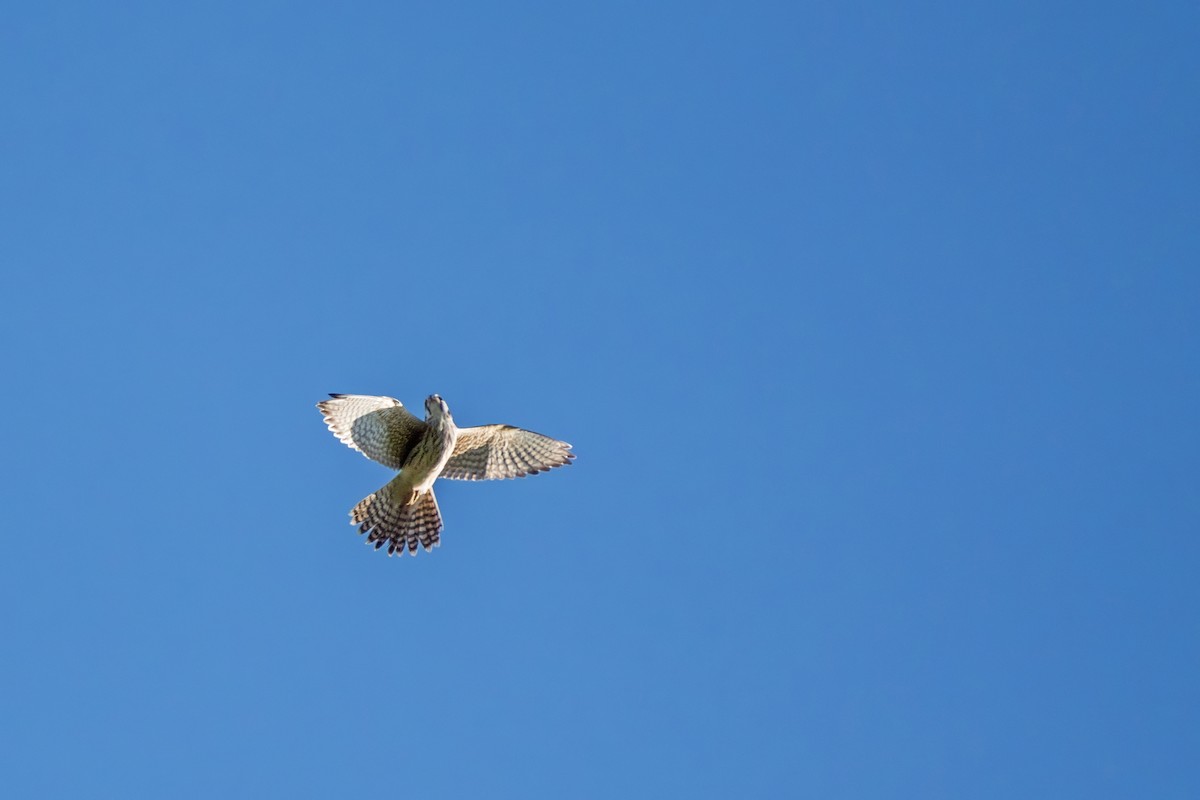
(436, 408)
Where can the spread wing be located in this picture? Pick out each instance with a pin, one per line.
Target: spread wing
(502, 451)
(378, 427)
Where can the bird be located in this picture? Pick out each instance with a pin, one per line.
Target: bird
(404, 513)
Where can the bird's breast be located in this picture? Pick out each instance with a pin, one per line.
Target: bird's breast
(430, 455)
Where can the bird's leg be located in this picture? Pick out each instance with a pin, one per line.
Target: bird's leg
(401, 494)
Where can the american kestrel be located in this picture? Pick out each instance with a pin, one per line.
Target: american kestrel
(404, 512)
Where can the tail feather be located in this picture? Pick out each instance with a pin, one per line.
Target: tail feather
(388, 520)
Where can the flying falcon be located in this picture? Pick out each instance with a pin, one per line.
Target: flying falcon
(404, 512)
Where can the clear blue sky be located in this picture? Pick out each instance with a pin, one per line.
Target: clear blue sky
(876, 330)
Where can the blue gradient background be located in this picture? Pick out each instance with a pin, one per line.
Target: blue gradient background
(876, 330)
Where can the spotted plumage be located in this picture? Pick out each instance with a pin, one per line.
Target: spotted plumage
(404, 513)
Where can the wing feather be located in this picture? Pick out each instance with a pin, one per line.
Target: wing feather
(491, 452)
(380, 428)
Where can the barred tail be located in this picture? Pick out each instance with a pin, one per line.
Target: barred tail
(387, 519)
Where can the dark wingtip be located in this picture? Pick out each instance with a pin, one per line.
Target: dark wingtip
(331, 394)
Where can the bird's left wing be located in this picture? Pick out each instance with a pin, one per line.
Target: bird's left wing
(380, 428)
(490, 452)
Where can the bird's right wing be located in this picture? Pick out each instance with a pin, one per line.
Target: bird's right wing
(378, 427)
(490, 452)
